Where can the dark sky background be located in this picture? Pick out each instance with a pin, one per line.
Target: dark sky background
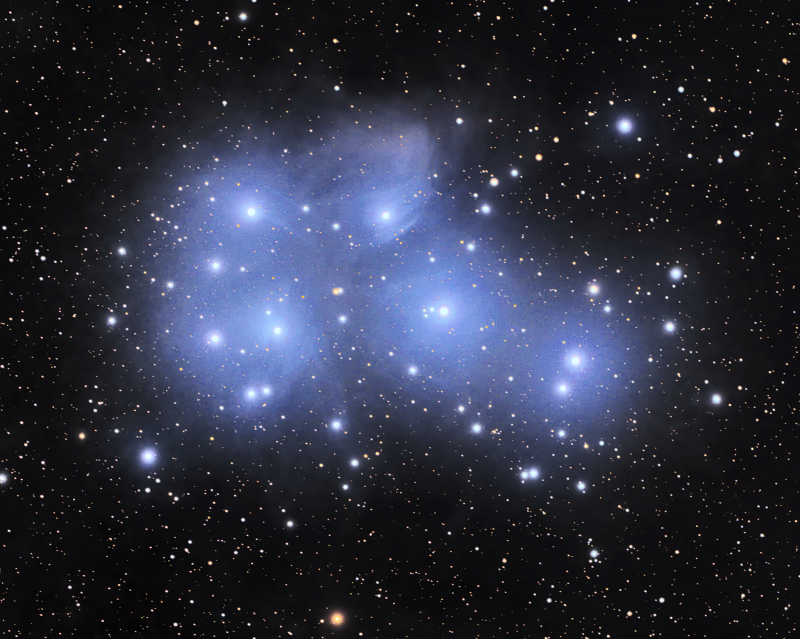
(187, 382)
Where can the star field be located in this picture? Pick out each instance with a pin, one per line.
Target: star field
(394, 320)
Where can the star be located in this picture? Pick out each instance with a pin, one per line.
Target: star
(337, 619)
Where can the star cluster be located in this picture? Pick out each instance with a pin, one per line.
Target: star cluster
(460, 320)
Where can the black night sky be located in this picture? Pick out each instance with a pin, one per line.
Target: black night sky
(451, 319)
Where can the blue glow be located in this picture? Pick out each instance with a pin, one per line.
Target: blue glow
(581, 485)
(562, 433)
(625, 126)
(112, 320)
(251, 212)
(148, 456)
(716, 399)
(607, 308)
(477, 428)
(386, 215)
(594, 554)
(563, 388)
(121, 251)
(354, 462)
(675, 273)
(336, 424)
(514, 172)
(444, 311)
(3, 478)
(669, 327)
(485, 209)
(594, 289)
(413, 370)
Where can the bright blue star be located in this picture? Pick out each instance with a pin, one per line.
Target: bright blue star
(148, 456)
(675, 273)
(625, 126)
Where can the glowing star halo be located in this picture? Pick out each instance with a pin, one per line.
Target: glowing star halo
(337, 619)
